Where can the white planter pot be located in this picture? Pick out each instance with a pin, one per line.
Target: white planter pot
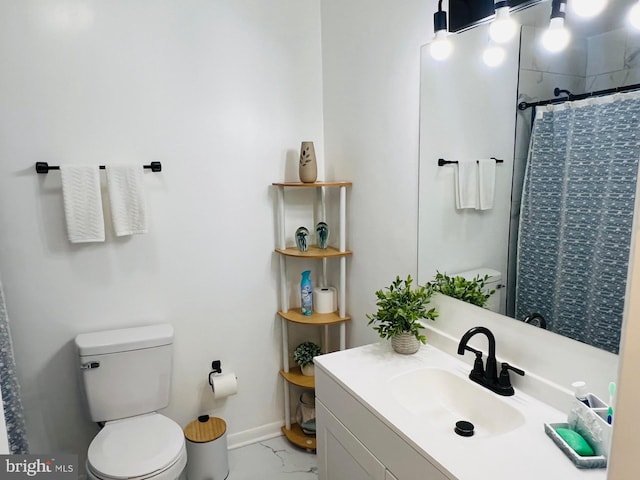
(309, 370)
(405, 343)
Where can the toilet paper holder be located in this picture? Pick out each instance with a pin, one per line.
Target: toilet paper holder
(216, 366)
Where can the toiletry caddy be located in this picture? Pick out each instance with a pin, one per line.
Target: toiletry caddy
(292, 374)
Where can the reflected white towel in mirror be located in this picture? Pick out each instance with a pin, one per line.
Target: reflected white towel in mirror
(486, 183)
(466, 184)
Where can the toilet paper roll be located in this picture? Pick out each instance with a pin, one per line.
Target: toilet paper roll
(325, 299)
(223, 384)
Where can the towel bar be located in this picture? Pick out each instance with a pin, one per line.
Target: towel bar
(442, 161)
(44, 167)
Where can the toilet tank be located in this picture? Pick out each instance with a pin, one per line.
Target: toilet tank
(126, 372)
(494, 282)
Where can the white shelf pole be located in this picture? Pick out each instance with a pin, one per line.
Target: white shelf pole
(343, 265)
(325, 339)
(285, 346)
(287, 406)
(343, 218)
(281, 237)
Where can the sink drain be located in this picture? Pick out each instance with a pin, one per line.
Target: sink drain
(464, 428)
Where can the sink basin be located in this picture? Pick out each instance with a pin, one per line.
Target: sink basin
(441, 398)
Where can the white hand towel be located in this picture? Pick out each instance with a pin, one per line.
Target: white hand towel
(82, 203)
(486, 183)
(127, 199)
(466, 184)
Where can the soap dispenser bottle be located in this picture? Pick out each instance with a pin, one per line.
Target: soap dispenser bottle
(306, 293)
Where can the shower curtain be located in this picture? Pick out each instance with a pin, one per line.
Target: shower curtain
(13, 416)
(576, 217)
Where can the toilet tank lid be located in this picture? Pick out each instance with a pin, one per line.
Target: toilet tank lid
(124, 339)
(494, 275)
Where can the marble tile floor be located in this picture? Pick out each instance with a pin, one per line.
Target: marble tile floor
(273, 459)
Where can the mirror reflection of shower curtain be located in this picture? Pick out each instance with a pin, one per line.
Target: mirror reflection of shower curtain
(576, 217)
(13, 414)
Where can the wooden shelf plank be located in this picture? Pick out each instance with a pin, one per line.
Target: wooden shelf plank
(295, 377)
(295, 315)
(299, 438)
(336, 183)
(313, 252)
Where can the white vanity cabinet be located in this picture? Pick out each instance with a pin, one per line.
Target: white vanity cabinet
(353, 443)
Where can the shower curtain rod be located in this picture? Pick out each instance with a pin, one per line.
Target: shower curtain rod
(570, 97)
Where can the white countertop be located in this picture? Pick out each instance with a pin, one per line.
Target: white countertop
(525, 453)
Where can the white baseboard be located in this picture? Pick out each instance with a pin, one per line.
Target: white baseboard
(253, 435)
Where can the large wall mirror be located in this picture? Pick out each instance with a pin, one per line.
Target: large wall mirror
(562, 248)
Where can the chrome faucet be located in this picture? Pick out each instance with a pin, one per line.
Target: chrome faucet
(487, 375)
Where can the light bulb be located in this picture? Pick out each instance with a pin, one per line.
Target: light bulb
(634, 16)
(503, 28)
(588, 8)
(441, 47)
(556, 37)
(493, 55)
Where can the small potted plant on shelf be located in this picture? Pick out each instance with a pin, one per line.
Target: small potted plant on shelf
(470, 291)
(303, 356)
(400, 307)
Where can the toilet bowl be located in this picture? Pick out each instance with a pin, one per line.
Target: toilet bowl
(143, 447)
(127, 378)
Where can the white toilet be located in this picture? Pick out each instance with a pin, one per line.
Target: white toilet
(127, 378)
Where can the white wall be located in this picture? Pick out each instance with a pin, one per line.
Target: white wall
(371, 74)
(221, 92)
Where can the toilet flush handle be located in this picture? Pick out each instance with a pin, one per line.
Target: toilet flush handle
(89, 365)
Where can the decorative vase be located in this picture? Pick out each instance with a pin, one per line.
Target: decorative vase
(322, 233)
(302, 239)
(308, 370)
(308, 168)
(405, 343)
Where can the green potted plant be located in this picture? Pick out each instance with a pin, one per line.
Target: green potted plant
(470, 291)
(400, 307)
(303, 356)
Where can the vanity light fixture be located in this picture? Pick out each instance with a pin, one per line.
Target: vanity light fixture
(503, 28)
(634, 16)
(556, 37)
(588, 8)
(493, 55)
(441, 47)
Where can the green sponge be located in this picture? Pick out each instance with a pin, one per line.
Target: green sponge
(576, 441)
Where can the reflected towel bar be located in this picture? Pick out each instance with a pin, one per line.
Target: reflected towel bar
(442, 161)
(44, 167)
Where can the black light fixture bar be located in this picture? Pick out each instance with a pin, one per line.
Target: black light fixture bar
(44, 167)
(439, 19)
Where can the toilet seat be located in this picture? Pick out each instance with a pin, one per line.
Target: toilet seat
(137, 448)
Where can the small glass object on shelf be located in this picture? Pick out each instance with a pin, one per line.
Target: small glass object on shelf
(322, 232)
(302, 239)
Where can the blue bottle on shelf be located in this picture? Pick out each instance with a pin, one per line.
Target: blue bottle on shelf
(306, 293)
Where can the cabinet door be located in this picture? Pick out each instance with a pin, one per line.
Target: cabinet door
(340, 455)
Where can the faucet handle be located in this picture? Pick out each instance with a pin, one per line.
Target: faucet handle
(478, 366)
(504, 380)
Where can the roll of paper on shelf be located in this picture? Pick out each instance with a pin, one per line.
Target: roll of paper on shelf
(325, 299)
